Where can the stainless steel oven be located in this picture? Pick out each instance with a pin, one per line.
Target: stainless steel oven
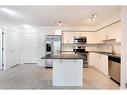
(81, 51)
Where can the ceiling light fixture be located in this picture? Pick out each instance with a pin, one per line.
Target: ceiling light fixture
(60, 23)
(93, 17)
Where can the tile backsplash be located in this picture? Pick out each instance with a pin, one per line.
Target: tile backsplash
(110, 46)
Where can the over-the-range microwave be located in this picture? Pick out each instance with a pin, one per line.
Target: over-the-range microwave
(80, 40)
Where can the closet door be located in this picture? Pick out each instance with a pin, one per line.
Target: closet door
(11, 48)
(0, 49)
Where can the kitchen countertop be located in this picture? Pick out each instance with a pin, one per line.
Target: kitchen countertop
(62, 56)
(108, 54)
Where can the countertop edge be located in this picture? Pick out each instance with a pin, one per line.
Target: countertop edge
(112, 55)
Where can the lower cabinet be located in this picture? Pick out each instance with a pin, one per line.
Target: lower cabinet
(99, 61)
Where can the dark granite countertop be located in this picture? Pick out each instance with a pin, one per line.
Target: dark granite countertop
(62, 56)
(108, 54)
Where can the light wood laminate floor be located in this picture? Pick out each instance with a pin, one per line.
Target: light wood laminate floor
(30, 76)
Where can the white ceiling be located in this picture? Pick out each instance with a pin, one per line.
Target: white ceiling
(48, 15)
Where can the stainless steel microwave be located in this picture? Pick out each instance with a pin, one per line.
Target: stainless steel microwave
(80, 40)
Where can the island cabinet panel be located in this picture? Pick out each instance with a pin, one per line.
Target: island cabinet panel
(67, 72)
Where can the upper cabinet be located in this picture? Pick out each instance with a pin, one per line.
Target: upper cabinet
(91, 37)
(107, 33)
(118, 31)
(100, 35)
(110, 32)
(68, 37)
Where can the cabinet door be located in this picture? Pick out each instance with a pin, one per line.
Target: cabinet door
(100, 36)
(99, 61)
(91, 37)
(111, 32)
(118, 31)
(103, 64)
(91, 59)
(68, 37)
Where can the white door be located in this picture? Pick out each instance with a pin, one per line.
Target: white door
(29, 48)
(11, 47)
(0, 49)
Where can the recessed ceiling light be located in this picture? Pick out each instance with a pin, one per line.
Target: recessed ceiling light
(26, 26)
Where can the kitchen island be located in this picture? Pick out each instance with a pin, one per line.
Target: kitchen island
(67, 69)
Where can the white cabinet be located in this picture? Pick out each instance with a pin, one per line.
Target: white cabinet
(68, 37)
(100, 36)
(103, 63)
(99, 61)
(91, 37)
(106, 33)
(118, 31)
(93, 59)
(110, 32)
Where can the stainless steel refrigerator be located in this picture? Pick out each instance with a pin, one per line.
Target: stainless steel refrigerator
(53, 46)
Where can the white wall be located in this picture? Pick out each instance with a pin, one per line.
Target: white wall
(124, 48)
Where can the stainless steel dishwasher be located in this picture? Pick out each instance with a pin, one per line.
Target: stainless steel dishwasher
(114, 68)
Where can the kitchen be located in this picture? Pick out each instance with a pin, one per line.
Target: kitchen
(92, 46)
